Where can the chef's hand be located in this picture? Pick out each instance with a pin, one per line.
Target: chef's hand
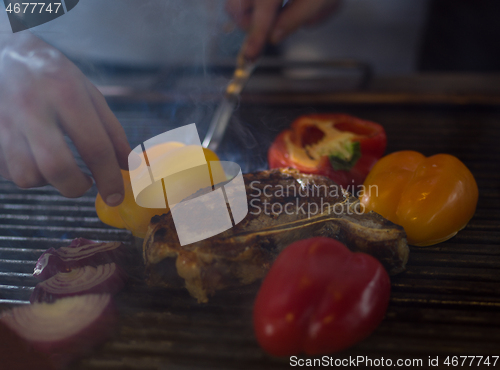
(42, 97)
(265, 20)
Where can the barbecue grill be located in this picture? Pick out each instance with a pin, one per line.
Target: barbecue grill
(446, 303)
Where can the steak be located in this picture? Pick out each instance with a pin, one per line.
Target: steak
(284, 206)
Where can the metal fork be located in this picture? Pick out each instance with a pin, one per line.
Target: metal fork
(222, 115)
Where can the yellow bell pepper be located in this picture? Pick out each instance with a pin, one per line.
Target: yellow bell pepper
(129, 215)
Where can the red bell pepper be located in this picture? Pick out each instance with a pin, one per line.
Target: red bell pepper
(339, 146)
(319, 297)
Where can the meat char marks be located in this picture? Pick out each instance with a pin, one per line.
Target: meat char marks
(284, 206)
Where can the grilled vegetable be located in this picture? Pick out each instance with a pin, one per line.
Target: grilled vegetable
(81, 252)
(66, 328)
(319, 297)
(129, 215)
(107, 278)
(432, 198)
(339, 146)
(16, 354)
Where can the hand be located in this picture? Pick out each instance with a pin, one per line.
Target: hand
(264, 20)
(42, 97)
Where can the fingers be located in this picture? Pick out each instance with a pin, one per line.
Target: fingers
(296, 14)
(34, 152)
(112, 126)
(79, 119)
(53, 158)
(43, 95)
(264, 21)
(4, 170)
(17, 163)
(330, 6)
(241, 12)
(263, 18)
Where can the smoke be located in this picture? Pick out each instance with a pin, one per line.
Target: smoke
(141, 33)
(184, 51)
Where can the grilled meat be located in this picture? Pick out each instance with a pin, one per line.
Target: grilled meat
(284, 206)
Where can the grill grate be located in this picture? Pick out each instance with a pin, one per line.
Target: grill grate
(446, 303)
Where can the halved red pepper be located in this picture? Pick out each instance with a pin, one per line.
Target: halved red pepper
(339, 146)
(319, 297)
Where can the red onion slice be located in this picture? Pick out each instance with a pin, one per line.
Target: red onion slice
(78, 242)
(16, 354)
(81, 252)
(107, 278)
(70, 326)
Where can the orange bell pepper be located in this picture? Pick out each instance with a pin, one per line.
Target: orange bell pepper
(129, 215)
(431, 197)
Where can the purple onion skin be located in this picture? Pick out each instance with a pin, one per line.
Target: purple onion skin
(17, 354)
(78, 242)
(48, 265)
(53, 261)
(63, 351)
(112, 285)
